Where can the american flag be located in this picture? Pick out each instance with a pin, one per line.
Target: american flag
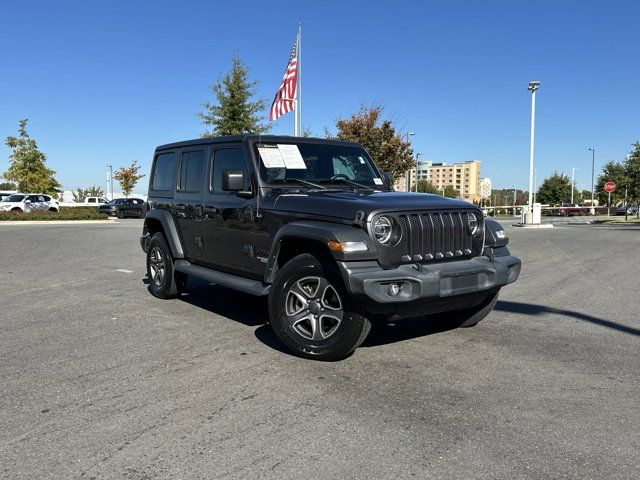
(284, 100)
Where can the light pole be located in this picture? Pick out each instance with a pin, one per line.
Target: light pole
(573, 183)
(408, 179)
(110, 182)
(417, 165)
(535, 184)
(593, 169)
(533, 86)
(515, 213)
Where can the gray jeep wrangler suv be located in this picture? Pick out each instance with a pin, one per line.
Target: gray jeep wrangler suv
(315, 225)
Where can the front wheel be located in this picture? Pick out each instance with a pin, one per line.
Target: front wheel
(312, 314)
(164, 281)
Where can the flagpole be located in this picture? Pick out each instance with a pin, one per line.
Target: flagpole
(297, 128)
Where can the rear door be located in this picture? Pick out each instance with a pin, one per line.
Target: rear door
(229, 220)
(187, 206)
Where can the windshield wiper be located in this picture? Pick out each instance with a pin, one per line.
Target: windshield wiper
(301, 182)
(349, 182)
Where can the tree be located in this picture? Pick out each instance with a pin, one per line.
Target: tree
(425, 186)
(7, 186)
(235, 113)
(127, 177)
(632, 171)
(611, 172)
(81, 194)
(387, 148)
(555, 189)
(450, 191)
(28, 164)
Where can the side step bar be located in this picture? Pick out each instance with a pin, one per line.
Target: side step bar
(254, 287)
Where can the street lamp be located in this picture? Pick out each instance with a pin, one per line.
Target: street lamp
(573, 183)
(533, 86)
(408, 175)
(417, 165)
(593, 168)
(110, 181)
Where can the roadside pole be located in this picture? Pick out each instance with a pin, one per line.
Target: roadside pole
(609, 206)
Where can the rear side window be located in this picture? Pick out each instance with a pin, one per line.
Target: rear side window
(164, 172)
(191, 171)
(228, 159)
(92, 200)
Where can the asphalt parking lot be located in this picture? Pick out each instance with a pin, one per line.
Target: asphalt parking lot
(102, 380)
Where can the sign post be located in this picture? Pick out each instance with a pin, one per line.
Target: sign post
(609, 187)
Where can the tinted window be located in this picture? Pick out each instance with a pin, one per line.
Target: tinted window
(13, 198)
(228, 159)
(92, 200)
(191, 171)
(164, 171)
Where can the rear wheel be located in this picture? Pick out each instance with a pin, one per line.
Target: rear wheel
(312, 314)
(164, 281)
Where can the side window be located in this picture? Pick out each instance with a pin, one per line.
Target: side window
(32, 198)
(164, 172)
(191, 166)
(227, 159)
(91, 200)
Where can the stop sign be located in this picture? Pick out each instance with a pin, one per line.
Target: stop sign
(610, 187)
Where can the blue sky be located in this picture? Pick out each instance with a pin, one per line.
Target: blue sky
(105, 82)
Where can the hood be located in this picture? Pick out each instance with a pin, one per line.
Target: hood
(346, 204)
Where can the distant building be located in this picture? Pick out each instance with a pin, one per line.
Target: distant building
(464, 177)
(485, 188)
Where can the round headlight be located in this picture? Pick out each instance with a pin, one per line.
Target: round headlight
(385, 231)
(474, 226)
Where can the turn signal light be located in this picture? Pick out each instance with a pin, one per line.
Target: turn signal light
(347, 247)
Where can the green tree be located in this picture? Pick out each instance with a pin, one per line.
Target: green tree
(235, 112)
(450, 191)
(28, 164)
(79, 195)
(425, 186)
(127, 177)
(632, 171)
(387, 148)
(7, 186)
(611, 172)
(555, 189)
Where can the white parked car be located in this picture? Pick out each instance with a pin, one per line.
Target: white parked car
(95, 201)
(29, 202)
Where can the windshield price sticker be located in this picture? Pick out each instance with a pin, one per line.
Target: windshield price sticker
(291, 156)
(377, 181)
(271, 157)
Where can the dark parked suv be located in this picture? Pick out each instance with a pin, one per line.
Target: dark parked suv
(315, 225)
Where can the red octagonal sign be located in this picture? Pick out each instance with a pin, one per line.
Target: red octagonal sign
(610, 187)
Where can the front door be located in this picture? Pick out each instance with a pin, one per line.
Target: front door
(229, 220)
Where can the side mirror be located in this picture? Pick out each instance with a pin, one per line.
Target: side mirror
(27, 201)
(232, 180)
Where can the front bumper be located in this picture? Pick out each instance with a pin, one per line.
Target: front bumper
(418, 282)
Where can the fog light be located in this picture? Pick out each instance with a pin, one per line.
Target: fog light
(394, 289)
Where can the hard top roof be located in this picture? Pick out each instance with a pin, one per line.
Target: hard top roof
(253, 138)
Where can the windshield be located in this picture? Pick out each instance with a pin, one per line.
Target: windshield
(13, 198)
(318, 163)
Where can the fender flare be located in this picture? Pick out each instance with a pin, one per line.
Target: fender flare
(322, 232)
(491, 238)
(169, 229)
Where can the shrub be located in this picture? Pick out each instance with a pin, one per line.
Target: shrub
(66, 213)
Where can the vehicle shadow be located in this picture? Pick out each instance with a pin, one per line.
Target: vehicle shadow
(532, 309)
(237, 306)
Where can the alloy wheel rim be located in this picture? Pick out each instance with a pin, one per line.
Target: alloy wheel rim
(157, 266)
(313, 308)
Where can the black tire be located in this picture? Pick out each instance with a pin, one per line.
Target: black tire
(119, 214)
(471, 316)
(164, 281)
(53, 210)
(327, 337)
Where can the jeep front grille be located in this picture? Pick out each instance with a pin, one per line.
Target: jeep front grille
(431, 236)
